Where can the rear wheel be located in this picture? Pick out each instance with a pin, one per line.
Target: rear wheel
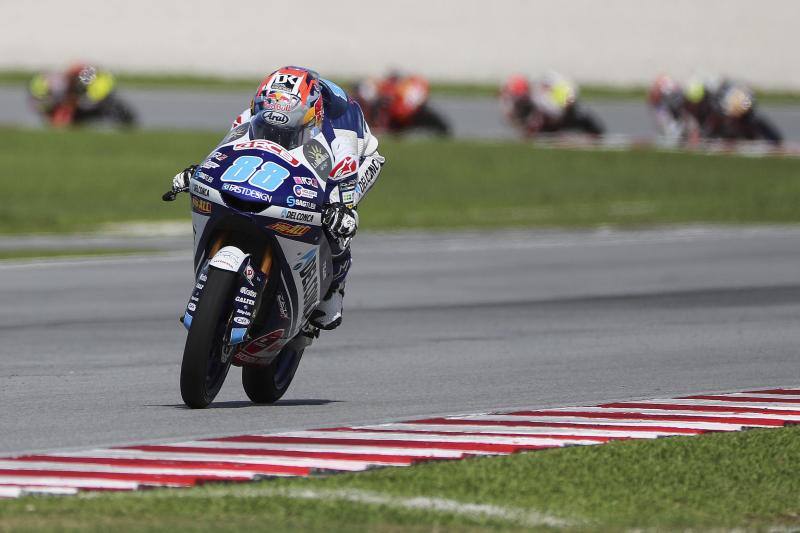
(203, 370)
(764, 129)
(268, 383)
(428, 119)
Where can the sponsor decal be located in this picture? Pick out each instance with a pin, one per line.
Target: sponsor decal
(291, 201)
(203, 176)
(249, 273)
(244, 358)
(191, 306)
(269, 146)
(241, 320)
(294, 230)
(309, 279)
(275, 117)
(298, 216)
(203, 277)
(265, 342)
(285, 82)
(246, 301)
(318, 157)
(248, 292)
(347, 198)
(302, 192)
(308, 182)
(199, 189)
(209, 164)
(365, 181)
(282, 306)
(344, 168)
(219, 156)
(193, 298)
(238, 189)
(201, 206)
(243, 312)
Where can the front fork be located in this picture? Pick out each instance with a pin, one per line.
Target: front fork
(250, 284)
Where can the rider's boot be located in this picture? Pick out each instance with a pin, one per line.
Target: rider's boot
(328, 314)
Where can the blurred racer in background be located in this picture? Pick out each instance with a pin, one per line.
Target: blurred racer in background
(708, 108)
(734, 115)
(292, 106)
(549, 105)
(668, 106)
(81, 94)
(397, 104)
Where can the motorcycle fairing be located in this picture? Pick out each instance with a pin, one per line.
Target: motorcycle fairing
(301, 258)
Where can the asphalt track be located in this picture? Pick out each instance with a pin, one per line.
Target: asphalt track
(434, 324)
(469, 117)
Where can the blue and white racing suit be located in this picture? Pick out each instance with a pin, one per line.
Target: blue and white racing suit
(356, 161)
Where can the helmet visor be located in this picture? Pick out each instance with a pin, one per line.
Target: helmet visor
(279, 128)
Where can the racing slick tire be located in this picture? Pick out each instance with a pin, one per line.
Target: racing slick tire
(427, 119)
(266, 384)
(764, 129)
(203, 370)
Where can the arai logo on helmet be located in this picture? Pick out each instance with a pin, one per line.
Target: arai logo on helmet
(275, 117)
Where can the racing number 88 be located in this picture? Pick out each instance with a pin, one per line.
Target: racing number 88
(246, 168)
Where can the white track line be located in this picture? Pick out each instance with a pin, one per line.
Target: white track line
(709, 426)
(376, 449)
(776, 406)
(322, 464)
(676, 412)
(523, 431)
(15, 491)
(79, 483)
(477, 439)
(765, 395)
(88, 467)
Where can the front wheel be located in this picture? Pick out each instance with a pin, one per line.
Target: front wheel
(206, 357)
(268, 383)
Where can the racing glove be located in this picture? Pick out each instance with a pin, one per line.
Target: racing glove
(180, 183)
(341, 221)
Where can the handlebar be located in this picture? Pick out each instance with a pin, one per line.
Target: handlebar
(172, 193)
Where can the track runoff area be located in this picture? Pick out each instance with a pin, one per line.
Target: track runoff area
(243, 458)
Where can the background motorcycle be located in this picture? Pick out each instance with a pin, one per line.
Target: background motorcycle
(735, 115)
(399, 104)
(261, 262)
(78, 96)
(549, 106)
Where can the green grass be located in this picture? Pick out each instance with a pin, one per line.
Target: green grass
(438, 88)
(744, 480)
(59, 181)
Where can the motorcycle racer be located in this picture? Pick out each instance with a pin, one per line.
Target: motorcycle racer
(291, 106)
(81, 93)
(399, 103)
(668, 104)
(548, 105)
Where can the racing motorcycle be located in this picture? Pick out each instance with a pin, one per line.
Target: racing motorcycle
(81, 95)
(262, 262)
(735, 116)
(399, 104)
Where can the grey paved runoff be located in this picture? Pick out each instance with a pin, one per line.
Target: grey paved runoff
(470, 117)
(434, 324)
